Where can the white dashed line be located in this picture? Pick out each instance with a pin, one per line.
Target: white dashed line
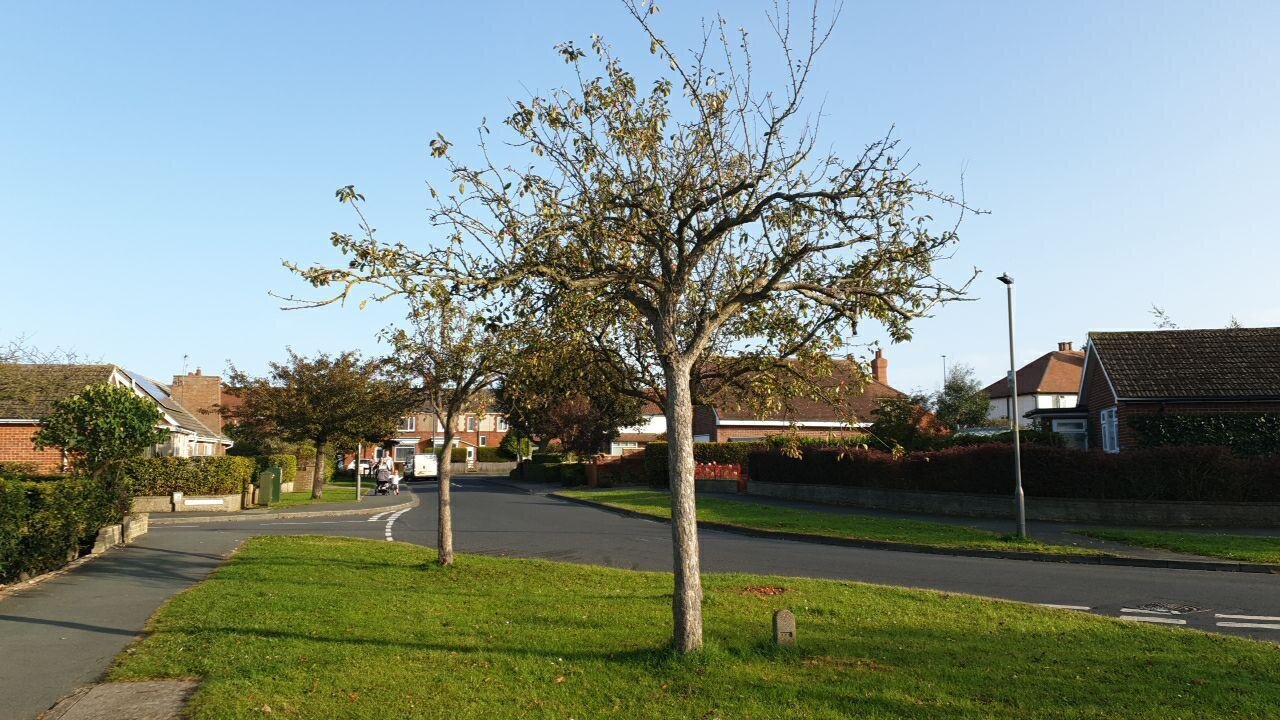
(1153, 619)
(1150, 612)
(1260, 626)
(378, 517)
(391, 521)
(1262, 618)
(1065, 607)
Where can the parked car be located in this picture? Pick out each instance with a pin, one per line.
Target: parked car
(422, 465)
(364, 466)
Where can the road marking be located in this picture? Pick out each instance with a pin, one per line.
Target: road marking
(378, 517)
(392, 521)
(1150, 612)
(308, 522)
(1264, 618)
(1261, 626)
(1151, 619)
(1065, 607)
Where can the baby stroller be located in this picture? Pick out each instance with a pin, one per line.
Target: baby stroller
(383, 477)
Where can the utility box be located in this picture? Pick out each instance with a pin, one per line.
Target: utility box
(269, 486)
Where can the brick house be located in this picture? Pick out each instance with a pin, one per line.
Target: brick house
(1182, 372)
(726, 422)
(1050, 381)
(28, 392)
(421, 431)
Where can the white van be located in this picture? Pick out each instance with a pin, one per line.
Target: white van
(422, 466)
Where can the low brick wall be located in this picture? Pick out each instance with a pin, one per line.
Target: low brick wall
(188, 503)
(1103, 512)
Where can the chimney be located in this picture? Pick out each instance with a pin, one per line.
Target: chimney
(880, 368)
(201, 395)
(1064, 346)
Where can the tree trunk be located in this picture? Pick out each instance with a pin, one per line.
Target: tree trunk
(444, 524)
(317, 472)
(686, 600)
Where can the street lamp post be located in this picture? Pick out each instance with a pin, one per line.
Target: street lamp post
(944, 372)
(1013, 417)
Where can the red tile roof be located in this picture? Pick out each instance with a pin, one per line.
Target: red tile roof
(1056, 372)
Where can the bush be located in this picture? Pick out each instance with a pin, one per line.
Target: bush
(735, 453)
(219, 475)
(546, 458)
(624, 470)
(1026, 435)
(287, 462)
(1244, 433)
(44, 524)
(493, 455)
(1170, 473)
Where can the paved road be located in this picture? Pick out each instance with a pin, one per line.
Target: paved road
(64, 632)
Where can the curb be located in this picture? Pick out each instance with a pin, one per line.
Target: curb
(1114, 560)
(178, 519)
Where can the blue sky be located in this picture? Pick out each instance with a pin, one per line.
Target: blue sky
(158, 160)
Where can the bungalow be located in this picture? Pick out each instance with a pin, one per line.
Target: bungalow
(653, 426)
(1183, 372)
(725, 422)
(1050, 381)
(28, 392)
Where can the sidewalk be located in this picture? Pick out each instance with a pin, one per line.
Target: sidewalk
(62, 633)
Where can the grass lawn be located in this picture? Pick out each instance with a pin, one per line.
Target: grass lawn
(1248, 548)
(339, 489)
(758, 516)
(315, 627)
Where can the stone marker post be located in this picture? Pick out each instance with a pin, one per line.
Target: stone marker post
(784, 627)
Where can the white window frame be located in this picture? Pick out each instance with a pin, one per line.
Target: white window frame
(1109, 427)
(500, 423)
(484, 441)
(472, 424)
(408, 423)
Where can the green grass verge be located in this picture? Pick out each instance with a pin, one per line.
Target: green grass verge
(1246, 548)
(759, 516)
(333, 492)
(316, 627)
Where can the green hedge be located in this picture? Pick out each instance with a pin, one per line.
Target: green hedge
(1244, 433)
(1165, 473)
(43, 525)
(287, 462)
(218, 475)
(737, 453)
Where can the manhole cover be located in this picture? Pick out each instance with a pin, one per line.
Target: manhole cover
(1171, 608)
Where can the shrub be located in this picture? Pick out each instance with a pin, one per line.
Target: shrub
(546, 458)
(1244, 433)
(625, 470)
(493, 455)
(731, 453)
(220, 475)
(1026, 435)
(287, 462)
(43, 525)
(1170, 473)
(573, 474)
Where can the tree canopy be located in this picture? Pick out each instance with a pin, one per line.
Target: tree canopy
(323, 400)
(696, 223)
(101, 427)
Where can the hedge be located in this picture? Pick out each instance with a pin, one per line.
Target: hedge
(1244, 433)
(736, 453)
(218, 475)
(287, 462)
(1166, 473)
(44, 525)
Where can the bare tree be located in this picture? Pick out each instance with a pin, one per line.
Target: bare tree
(699, 224)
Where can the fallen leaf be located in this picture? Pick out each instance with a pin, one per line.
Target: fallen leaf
(266, 709)
(559, 680)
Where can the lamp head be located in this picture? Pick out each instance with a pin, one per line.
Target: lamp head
(1005, 279)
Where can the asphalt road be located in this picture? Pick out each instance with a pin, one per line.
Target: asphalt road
(62, 634)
